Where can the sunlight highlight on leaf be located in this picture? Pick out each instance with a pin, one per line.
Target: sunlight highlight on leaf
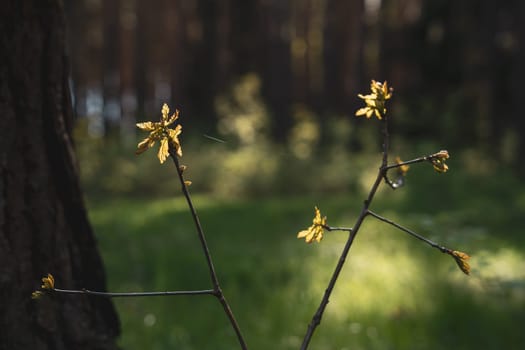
(314, 232)
(159, 131)
(462, 261)
(375, 102)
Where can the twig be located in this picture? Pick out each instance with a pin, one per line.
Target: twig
(215, 281)
(412, 161)
(400, 180)
(332, 228)
(196, 220)
(410, 232)
(316, 319)
(461, 258)
(134, 294)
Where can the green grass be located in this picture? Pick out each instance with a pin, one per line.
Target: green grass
(394, 292)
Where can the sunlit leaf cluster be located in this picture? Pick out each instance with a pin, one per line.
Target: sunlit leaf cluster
(159, 131)
(375, 104)
(376, 100)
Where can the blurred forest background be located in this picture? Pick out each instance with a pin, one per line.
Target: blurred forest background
(287, 72)
(276, 81)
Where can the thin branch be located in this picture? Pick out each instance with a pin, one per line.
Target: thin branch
(316, 319)
(386, 144)
(428, 158)
(196, 220)
(134, 294)
(400, 180)
(410, 232)
(461, 258)
(408, 162)
(213, 275)
(332, 228)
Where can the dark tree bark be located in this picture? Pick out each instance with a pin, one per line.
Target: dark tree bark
(43, 222)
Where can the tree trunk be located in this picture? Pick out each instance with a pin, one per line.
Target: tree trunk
(276, 65)
(343, 55)
(43, 222)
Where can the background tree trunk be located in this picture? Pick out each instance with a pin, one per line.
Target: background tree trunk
(43, 222)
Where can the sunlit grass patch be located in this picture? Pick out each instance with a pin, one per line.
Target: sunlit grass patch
(500, 273)
(383, 274)
(394, 292)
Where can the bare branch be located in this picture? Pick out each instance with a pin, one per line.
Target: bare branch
(134, 294)
(316, 319)
(410, 232)
(213, 275)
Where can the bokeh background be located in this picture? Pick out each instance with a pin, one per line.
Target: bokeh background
(276, 82)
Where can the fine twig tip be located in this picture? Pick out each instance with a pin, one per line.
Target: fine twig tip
(461, 259)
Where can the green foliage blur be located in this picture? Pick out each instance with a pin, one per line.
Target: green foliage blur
(253, 195)
(243, 161)
(394, 292)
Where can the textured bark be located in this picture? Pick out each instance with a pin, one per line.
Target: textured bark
(43, 222)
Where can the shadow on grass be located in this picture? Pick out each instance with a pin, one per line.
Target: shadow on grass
(394, 292)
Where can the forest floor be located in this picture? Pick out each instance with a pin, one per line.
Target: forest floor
(394, 292)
